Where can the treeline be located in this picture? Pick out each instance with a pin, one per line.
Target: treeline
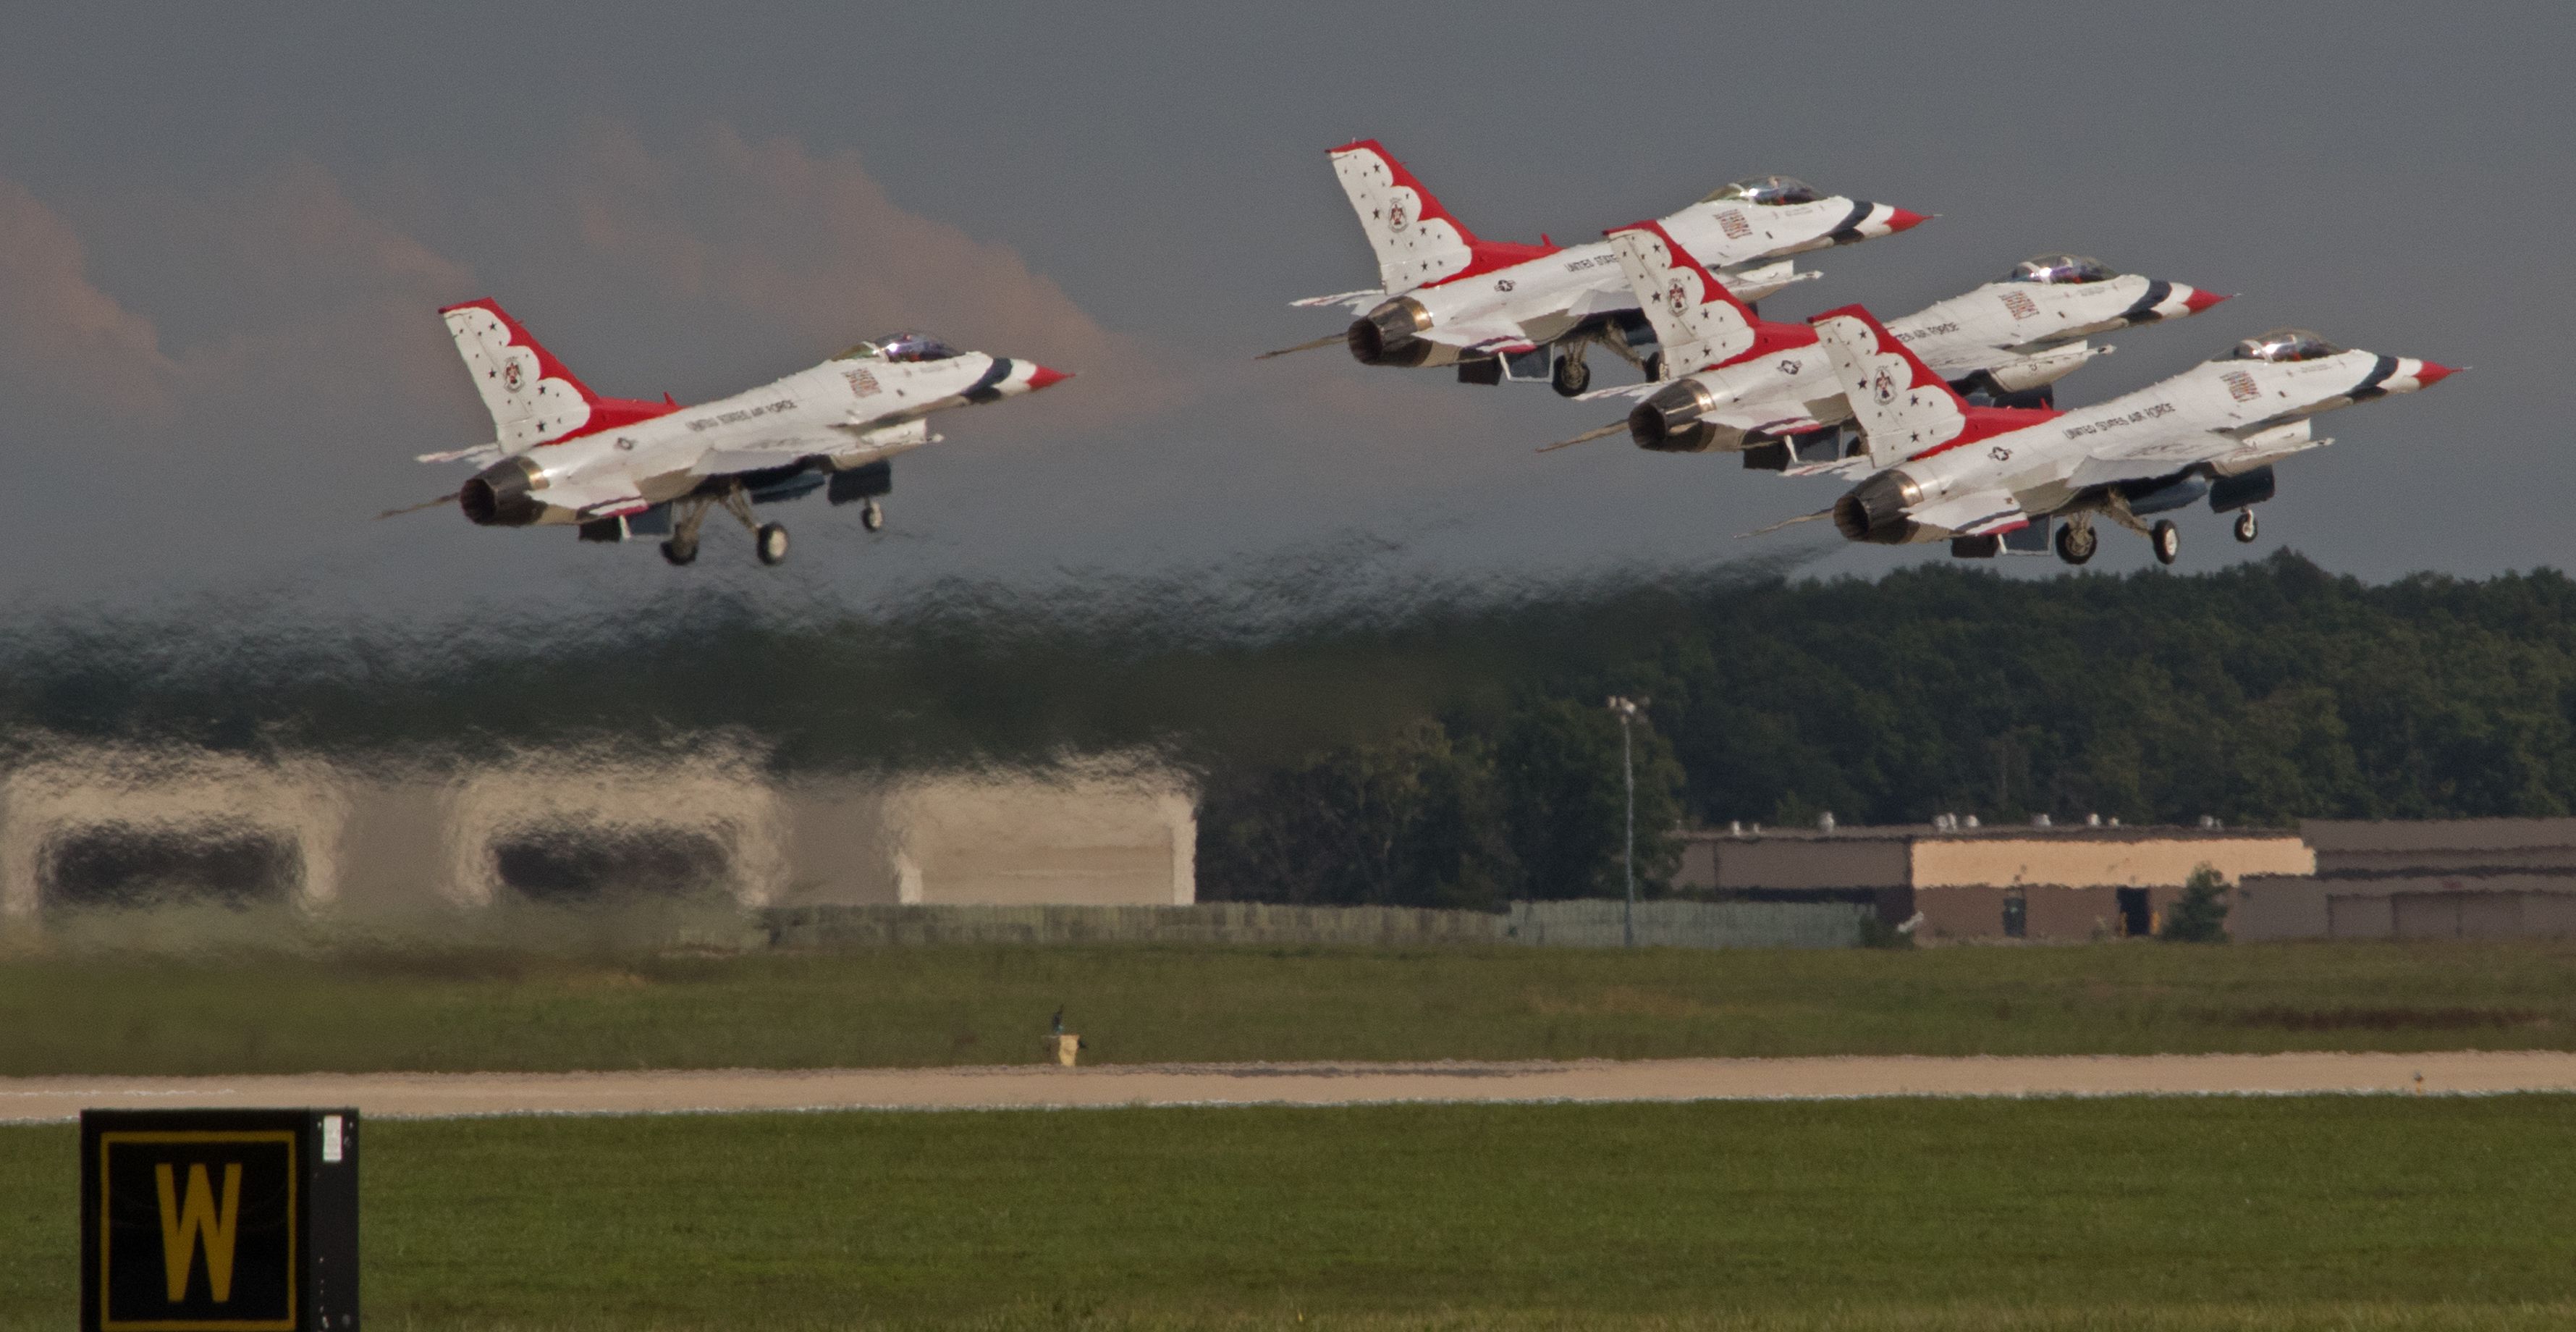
(1456, 751)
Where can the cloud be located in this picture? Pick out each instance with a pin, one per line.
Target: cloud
(60, 335)
(813, 244)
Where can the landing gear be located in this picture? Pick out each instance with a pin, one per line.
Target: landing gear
(768, 541)
(687, 515)
(1571, 376)
(2167, 541)
(871, 516)
(2246, 528)
(2076, 542)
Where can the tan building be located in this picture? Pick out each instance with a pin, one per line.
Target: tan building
(2066, 883)
(104, 826)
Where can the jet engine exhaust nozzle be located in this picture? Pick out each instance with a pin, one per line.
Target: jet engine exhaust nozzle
(1874, 510)
(1387, 335)
(1669, 421)
(501, 495)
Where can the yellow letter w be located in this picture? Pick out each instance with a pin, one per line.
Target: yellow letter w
(181, 1225)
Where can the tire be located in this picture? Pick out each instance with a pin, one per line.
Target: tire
(677, 553)
(2074, 549)
(770, 543)
(2246, 527)
(2167, 540)
(871, 516)
(1570, 377)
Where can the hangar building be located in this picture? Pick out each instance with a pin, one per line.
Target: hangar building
(104, 825)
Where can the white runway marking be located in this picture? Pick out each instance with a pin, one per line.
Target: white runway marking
(452, 1095)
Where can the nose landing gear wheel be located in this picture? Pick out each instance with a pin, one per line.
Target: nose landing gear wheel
(770, 543)
(2246, 527)
(1570, 377)
(2167, 539)
(871, 517)
(2075, 544)
(680, 552)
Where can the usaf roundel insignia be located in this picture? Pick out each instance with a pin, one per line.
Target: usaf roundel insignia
(1678, 297)
(510, 378)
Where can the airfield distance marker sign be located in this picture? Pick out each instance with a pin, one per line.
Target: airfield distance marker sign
(219, 1221)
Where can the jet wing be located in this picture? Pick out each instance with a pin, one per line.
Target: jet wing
(597, 495)
(2224, 451)
(1492, 333)
(1977, 513)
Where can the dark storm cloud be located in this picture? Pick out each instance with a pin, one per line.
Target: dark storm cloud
(222, 234)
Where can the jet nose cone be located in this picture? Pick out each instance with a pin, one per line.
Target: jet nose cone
(2433, 374)
(1905, 219)
(1040, 377)
(2200, 300)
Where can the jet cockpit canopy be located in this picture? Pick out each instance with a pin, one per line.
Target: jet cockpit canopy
(1768, 191)
(2283, 344)
(911, 345)
(2060, 270)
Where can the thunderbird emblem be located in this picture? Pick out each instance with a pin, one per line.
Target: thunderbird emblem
(1885, 385)
(510, 376)
(1678, 297)
(1395, 218)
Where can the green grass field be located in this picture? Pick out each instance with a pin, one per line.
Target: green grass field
(108, 1013)
(2342, 1212)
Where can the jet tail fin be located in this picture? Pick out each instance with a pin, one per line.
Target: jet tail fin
(1417, 240)
(1699, 322)
(532, 397)
(1903, 409)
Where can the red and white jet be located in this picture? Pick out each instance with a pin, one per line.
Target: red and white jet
(1497, 310)
(621, 468)
(1983, 477)
(1734, 382)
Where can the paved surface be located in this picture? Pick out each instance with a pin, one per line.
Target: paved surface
(442, 1095)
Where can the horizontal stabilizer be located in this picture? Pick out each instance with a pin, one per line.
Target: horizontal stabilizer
(1357, 300)
(479, 455)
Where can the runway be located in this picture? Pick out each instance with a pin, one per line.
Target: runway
(456, 1095)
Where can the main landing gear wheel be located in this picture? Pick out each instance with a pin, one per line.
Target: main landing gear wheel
(680, 552)
(2075, 544)
(770, 543)
(1571, 377)
(2167, 540)
(2246, 528)
(871, 516)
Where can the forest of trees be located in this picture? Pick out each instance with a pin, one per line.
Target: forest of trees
(1458, 752)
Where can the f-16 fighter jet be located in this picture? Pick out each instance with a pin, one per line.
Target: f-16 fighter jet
(1982, 477)
(1493, 309)
(620, 468)
(1734, 382)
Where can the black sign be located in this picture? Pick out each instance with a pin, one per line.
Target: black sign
(219, 1221)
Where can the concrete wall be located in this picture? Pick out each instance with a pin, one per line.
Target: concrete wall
(570, 824)
(2085, 859)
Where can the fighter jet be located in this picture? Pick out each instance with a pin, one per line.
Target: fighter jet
(1734, 382)
(1498, 310)
(1988, 478)
(623, 468)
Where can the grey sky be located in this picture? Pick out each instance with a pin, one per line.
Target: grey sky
(223, 233)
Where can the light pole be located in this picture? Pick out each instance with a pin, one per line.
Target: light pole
(1625, 709)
